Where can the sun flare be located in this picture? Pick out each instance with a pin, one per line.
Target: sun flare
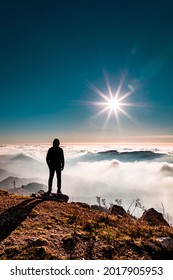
(113, 102)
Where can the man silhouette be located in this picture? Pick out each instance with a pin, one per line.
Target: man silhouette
(55, 162)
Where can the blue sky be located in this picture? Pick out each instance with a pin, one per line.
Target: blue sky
(51, 51)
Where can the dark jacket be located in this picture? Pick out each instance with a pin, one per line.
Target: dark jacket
(55, 158)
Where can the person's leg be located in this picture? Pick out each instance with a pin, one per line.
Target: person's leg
(58, 174)
(51, 174)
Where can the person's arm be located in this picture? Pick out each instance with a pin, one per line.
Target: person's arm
(47, 158)
(62, 161)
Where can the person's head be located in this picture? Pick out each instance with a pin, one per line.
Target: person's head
(56, 143)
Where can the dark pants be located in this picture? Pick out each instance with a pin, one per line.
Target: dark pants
(51, 175)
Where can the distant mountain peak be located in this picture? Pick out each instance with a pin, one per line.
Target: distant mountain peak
(22, 157)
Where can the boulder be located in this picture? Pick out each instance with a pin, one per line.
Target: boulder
(61, 197)
(166, 242)
(118, 210)
(53, 196)
(153, 218)
(99, 208)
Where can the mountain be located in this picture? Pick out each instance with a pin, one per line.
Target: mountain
(28, 189)
(130, 156)
(28, 165)
(23, 157)
(4, 174)
(35, 187)
(12, 182)
(35, 229)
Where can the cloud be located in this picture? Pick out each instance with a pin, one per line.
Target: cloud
(118, 180)
(88, 174)
(167, 169)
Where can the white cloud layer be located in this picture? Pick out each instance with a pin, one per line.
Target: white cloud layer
(149, 180)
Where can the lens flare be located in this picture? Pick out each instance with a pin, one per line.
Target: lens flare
(113, 102)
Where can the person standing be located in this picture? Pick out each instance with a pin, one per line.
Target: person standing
(55, 161)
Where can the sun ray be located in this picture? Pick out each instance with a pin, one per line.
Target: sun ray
(99, 92)
(102, 111)
(128, 116)
(125, 95)
(108, 87)
(114, 102)
(123, 77)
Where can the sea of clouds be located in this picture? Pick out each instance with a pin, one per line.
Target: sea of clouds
(106, 171)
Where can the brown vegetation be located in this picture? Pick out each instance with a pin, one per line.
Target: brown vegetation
(35, 229)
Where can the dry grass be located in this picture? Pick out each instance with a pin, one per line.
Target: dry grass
(36, 229)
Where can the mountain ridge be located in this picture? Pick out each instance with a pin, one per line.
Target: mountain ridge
(17, 182)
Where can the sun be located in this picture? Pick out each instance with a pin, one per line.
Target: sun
(114, 102)
(111, 104)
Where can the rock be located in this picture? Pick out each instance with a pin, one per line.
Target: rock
(53, 196)
(166, 242)
(153, 218)
(118, 210)
(98, 208)
(61, 197)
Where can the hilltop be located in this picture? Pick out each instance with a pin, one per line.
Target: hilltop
(32, 228)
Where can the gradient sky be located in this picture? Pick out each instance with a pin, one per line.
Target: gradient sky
(52, 50)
